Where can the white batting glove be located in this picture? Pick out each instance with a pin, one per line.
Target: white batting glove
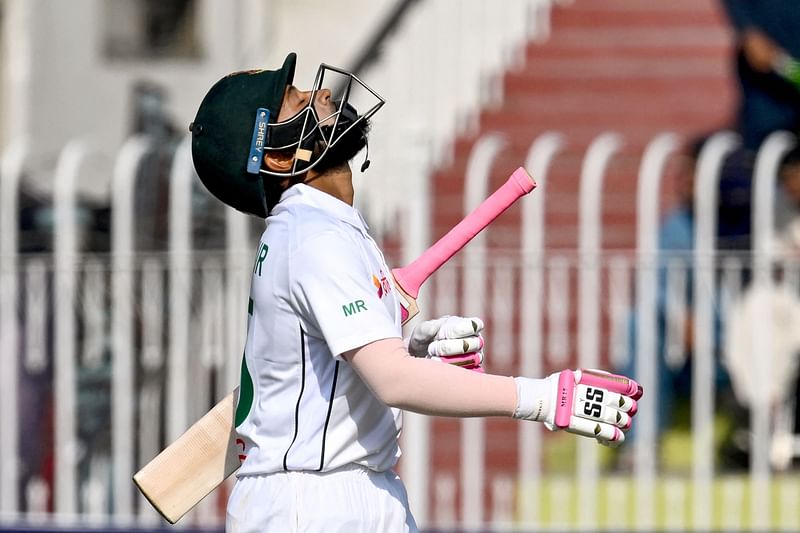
(590, 403)
(452, 339)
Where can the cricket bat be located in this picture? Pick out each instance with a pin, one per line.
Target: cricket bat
(208, 452)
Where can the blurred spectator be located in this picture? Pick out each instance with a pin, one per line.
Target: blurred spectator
(151, 118)
(768, 35)
(788, 208)
(675, 242)
(745, 314)
(789, 235)
(675, 293)
(781, 298)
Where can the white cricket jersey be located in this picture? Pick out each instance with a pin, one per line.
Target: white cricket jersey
(320, 287)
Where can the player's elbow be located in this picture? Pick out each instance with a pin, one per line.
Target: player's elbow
(390, 386)
(398, 385)
(391, 393)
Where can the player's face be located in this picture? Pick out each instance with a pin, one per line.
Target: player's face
(295, 100)
(346, 145)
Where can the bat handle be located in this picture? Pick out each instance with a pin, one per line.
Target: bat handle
(411, 277)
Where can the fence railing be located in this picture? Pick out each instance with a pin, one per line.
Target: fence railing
(108, 356)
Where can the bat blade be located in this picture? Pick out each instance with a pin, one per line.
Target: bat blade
(202, 458)
(194, 465)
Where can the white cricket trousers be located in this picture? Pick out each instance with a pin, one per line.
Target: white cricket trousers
(351, 499)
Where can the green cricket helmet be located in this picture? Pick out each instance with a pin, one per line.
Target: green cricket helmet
(237, 122)
(223, 128)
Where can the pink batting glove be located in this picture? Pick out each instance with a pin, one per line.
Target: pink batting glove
(598, 404)
(586, 402)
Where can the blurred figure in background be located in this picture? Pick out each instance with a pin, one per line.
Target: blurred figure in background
(150, 117)
(675, 295)
(768, 34)
(781, 298)
(789, 235)
(676, 243)
(788, 209)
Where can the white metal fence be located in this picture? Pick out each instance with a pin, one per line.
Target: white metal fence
(106, 357)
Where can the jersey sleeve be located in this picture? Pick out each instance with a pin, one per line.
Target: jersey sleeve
(332, 288)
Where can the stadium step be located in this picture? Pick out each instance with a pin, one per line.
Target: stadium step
(635, 68)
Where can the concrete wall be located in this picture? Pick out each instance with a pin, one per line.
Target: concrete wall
(57, 83)
(332, 32)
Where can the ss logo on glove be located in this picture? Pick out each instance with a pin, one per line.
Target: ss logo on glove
(592, 409)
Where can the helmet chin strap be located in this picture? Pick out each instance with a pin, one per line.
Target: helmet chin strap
(365, 164)
(350, 116)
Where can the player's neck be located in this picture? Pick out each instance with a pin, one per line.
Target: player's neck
(338, 182)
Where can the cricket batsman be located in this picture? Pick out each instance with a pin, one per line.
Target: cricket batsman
(326, 372)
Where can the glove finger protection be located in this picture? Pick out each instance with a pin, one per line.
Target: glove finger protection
(423, 334)
(586, 402)
(457, 327)
(451, 339)
(605, 434)
(455, 346)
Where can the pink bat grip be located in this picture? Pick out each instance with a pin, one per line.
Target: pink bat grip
(411, 277)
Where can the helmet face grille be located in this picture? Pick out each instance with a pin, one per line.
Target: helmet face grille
(311, 137)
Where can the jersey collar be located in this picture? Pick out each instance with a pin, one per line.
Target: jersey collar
(302, 194)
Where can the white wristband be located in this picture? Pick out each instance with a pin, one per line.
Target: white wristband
(533, 399)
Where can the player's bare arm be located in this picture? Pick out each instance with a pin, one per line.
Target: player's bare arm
(429, 387)
(589, 403)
